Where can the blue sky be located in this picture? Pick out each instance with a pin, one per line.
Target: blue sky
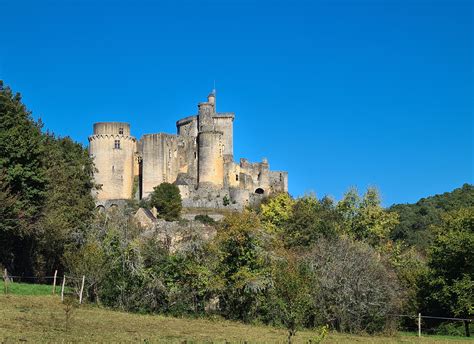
(339, 93)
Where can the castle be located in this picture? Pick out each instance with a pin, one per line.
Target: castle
(199, 159)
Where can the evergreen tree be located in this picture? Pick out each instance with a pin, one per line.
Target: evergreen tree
(167, 200)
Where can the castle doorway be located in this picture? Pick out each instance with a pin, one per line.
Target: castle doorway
(259, 191)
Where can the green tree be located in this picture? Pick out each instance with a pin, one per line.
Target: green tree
(21, 149)
(416, 219)
(10, 221)
(365, 219)
(310, 220)
(69, 205)
(244, 265)
(448, 287)
(21, 163)
(89, 260)
(275, 211)
(290, 296)
(167, 200)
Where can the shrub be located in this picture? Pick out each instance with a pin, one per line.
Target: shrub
(206, 219)
(226, 201)
(352, 289)
(167, 200)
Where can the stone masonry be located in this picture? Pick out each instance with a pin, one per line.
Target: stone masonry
(199, 160)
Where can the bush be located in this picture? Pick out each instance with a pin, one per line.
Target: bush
(450, 329)
(206, 219)
(352, 289)
(167, 201)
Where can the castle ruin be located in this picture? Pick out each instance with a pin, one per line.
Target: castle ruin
(199, 159)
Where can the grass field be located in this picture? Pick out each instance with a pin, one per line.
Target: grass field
(33, 289)
(39, 319)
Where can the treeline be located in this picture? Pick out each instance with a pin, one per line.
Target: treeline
(306, 262)
(303, 262)
(416, 219)
(46, 205)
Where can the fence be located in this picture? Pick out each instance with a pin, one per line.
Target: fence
(419, 324)
(66, 283)
(432, 325)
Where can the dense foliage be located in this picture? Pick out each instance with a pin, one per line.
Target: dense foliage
(45, 191)
(416, 219)
(252, 269)
(448, 286)
(167, 201)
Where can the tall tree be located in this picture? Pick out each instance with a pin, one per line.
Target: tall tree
(69, 203)
(365, 219)
(448, 288)
(310, 220)
(244, 265)
(275, 211)
(21, 149)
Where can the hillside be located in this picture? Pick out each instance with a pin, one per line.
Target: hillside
(416, 218)
(41, 319)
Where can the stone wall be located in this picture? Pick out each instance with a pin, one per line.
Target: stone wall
(278, 181)
(187, 126)
(224, 122)
(160, 161)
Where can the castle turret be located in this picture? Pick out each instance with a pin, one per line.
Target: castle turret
(211, 98)
(112, 148)
(205, 114)
(211, 160)
(210, 146)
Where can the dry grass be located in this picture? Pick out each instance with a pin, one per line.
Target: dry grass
(40, 319)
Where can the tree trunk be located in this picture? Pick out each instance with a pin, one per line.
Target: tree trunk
(291, 333)
(466, 328)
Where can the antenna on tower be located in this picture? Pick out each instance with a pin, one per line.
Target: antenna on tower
(214, 88)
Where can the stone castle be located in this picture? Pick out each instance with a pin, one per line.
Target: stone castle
(199, 159)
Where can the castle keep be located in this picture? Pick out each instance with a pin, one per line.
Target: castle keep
(199, 160)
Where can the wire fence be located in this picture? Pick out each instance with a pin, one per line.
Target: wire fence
(425, 325)
(64, 285)
(418, 324)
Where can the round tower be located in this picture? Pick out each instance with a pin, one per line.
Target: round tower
(112, 148)
(211, 159)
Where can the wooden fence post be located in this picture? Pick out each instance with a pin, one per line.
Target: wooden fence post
(82, 289)
(5, 281)
(54, 281)
(62, 288)
(419, 324)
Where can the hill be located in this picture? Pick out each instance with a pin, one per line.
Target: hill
(416, 218)
(42, 319)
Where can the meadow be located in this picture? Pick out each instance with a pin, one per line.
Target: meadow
(30, 313)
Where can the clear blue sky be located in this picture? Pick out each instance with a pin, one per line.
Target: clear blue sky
(339, 93)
